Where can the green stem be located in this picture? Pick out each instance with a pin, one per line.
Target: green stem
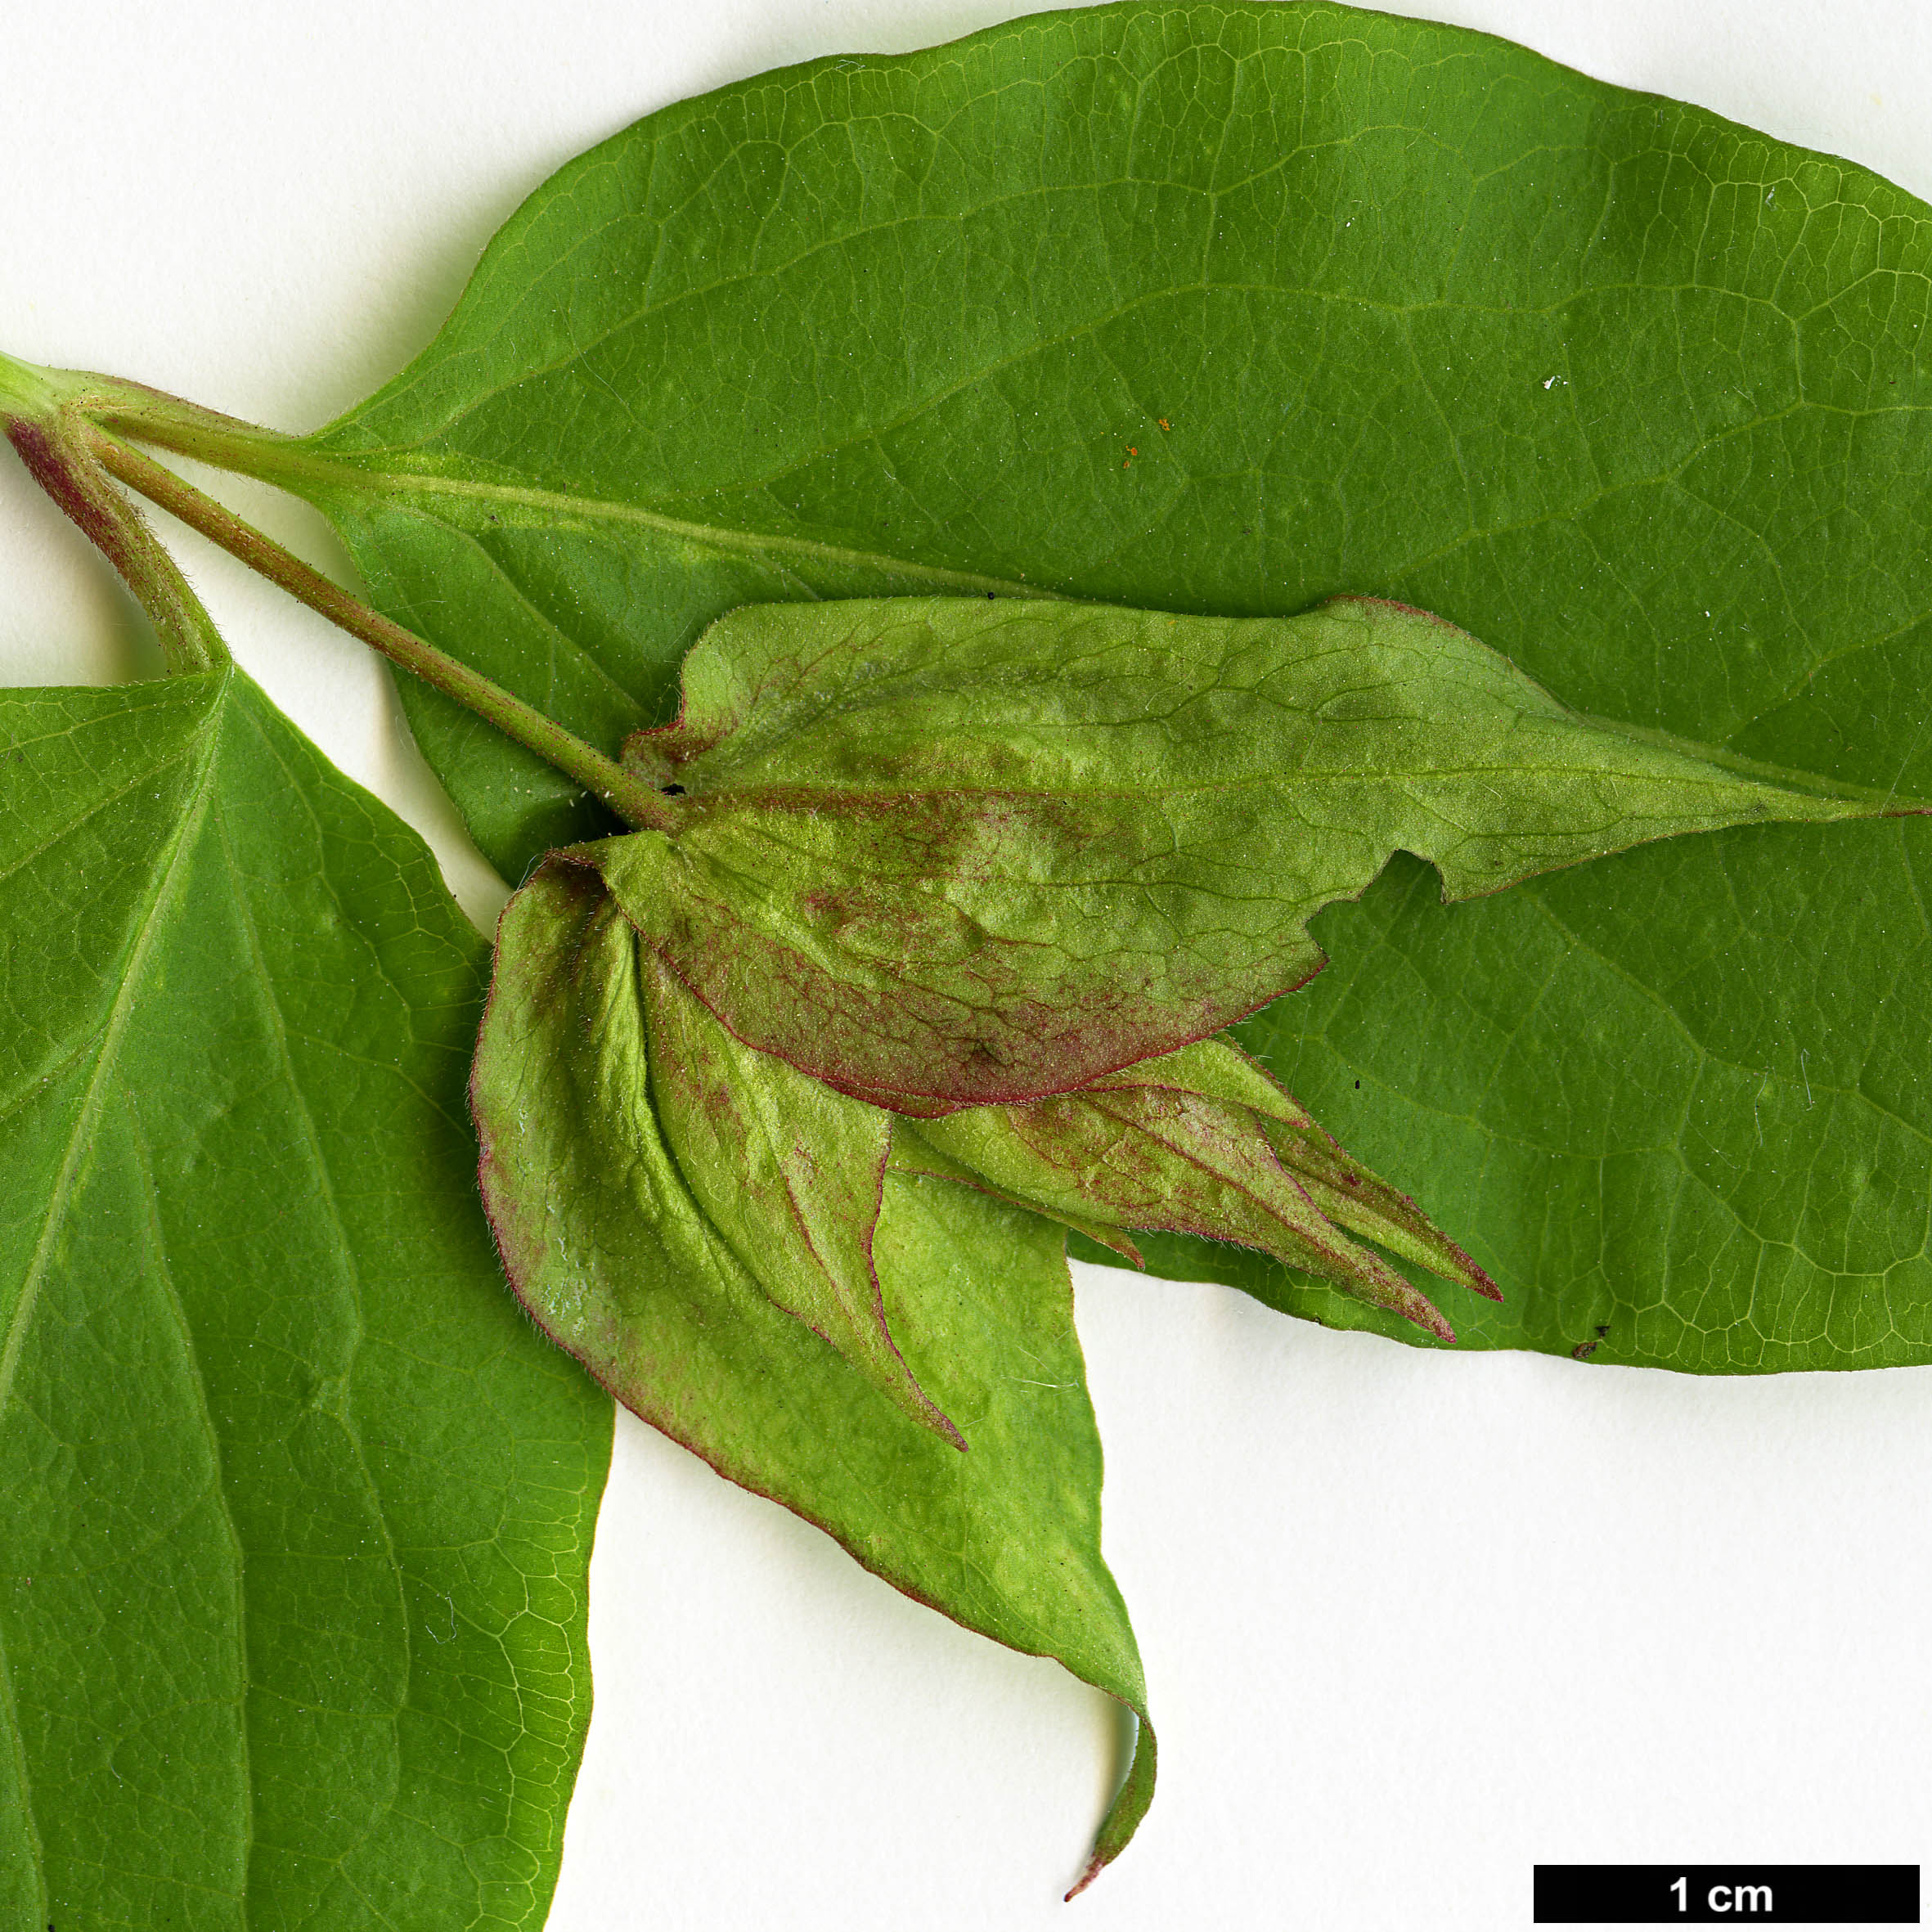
(149, 416)
(56, 417)
(38, 419)
(206, 435)
(630, 798)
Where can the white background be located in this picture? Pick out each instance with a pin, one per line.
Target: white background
(1411, 1623)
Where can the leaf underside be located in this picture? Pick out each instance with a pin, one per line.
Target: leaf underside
(295, 1511)
(1228, 310)
(789, 1172)
(616, 1257)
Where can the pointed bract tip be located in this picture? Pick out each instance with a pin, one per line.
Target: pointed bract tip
(1429, 1317)
(1095, 1865)
(1461, 1267)
(913, 1400)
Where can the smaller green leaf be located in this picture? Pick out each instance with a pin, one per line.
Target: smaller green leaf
(957, 851)
(788, 1170)
(611, 1249)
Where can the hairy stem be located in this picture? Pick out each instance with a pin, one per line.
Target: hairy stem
(629, 796)
(168, 422)
(59, 456)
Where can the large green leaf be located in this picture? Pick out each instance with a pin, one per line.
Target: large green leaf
(1748, 1188)
(1228, 309)
(619, 1257)
(294, 1509)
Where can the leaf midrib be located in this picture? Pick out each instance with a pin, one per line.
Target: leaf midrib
(354, 1299)
(293, 469)
(1810, 784)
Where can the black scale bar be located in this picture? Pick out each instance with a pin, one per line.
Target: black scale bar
(1727, 1894)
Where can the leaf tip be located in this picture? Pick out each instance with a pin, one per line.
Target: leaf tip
(1095, 1865)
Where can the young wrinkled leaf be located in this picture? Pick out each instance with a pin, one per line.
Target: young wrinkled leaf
(614, 1254)
(1164, 1157)
(1231, 309)
(295, 1511)
(1339, 1184)
(913, 1153)
(972, 852)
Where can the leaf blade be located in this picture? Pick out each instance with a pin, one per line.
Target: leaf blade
(228, 1394)
(1684, 1174)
